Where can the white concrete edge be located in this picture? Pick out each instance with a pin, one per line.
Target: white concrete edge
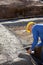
(21, 20)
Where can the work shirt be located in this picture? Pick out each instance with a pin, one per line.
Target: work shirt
(37, 31)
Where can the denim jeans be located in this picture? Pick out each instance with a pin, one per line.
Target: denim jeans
(40, 45)
(42, 54)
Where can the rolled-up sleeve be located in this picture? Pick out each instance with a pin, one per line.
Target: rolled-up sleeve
(35, 37)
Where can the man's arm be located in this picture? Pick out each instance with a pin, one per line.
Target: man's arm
(35, 38)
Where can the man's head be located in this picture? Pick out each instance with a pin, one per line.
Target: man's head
(29, 26)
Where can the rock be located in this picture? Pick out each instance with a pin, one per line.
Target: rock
(10, 46)
(2, 58)
(20, 9)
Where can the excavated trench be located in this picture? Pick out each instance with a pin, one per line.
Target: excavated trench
(12, 50)
(19, 41)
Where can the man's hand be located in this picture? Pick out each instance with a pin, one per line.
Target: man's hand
(29, 51)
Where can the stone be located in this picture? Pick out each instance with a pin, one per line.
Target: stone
(10, 9)
(11, 52)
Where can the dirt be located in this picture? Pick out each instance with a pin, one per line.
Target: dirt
(19, 32)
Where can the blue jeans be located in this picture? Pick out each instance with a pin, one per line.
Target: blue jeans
(41, 45)
(42, 54)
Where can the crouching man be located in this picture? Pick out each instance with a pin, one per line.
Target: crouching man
(37, 31)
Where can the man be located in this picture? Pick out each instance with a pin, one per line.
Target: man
(37, 31)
